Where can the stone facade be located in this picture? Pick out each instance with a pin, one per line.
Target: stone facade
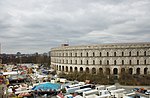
(133, 58)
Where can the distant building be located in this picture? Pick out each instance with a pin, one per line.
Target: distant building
(133, 58)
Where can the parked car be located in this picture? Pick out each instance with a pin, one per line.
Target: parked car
(143, 91)
(135, 89)
(147, 92)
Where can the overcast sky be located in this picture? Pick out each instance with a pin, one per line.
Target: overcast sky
(30, 26)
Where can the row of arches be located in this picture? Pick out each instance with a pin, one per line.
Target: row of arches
(103, 62)
(101, 54)
(107, 71)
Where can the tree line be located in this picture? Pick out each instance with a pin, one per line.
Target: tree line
(103, 79)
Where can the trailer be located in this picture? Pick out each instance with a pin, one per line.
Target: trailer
(103, 92)
(109, 88)
(80, 91)
(104, 96)
(91, 92)
(72, 89)
(118, 93)
(101, 87)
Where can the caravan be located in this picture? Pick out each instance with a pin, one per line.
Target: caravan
(91, 92)
(80, 91)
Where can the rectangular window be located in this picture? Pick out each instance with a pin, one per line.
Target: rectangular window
(137, 53)
(75, 54)
(137, 62)
(107, 62)
(93, 62)
(115, 62)
(122, 53)
(71, 54)
(71, 61)
(122, 62)
(114, 53)
(100, 62)
(130, 53)
(145, 62)
(107, 53)
(145, 53)
(130, 62)
(75, 61)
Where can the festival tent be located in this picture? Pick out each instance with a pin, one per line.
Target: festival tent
(47, 86)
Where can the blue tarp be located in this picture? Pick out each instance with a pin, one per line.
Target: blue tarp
(47, 86)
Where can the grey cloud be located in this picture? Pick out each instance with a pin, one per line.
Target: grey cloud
(38, 25)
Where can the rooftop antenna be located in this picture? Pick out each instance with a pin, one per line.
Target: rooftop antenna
(66, 43)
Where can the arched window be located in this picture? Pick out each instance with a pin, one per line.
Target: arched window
(114, 53)
(66, 61)
(62, 68)
(87, 70)
(122, 70)
(87, 54)
(66, 54)
(107, 53)
(122, 53)
(75, 61)
(93, 70)
(130, 62)
(100, 62)
(107, 71)
(145, 53)
(81, 69)
(122, 62)
(81, 54)
(130, 71)
(59, 68)
(81, 62)
(71, 54)
(145, 70)
(137, 62)
(71, 69)
(70, 61)
(130, 53)
(76, 69)
(107, 62)
(100, 54)
(115, 71)
(100, 70)
(93, 54)
(138, 71)
(115, 62)
(66, 68)
(137, 53)
(75, 54)
(87, 62)
(93, 62)
(145, 62)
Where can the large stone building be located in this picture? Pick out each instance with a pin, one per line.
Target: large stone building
(133, 58)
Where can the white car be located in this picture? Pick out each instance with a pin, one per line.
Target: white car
(147, 93)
